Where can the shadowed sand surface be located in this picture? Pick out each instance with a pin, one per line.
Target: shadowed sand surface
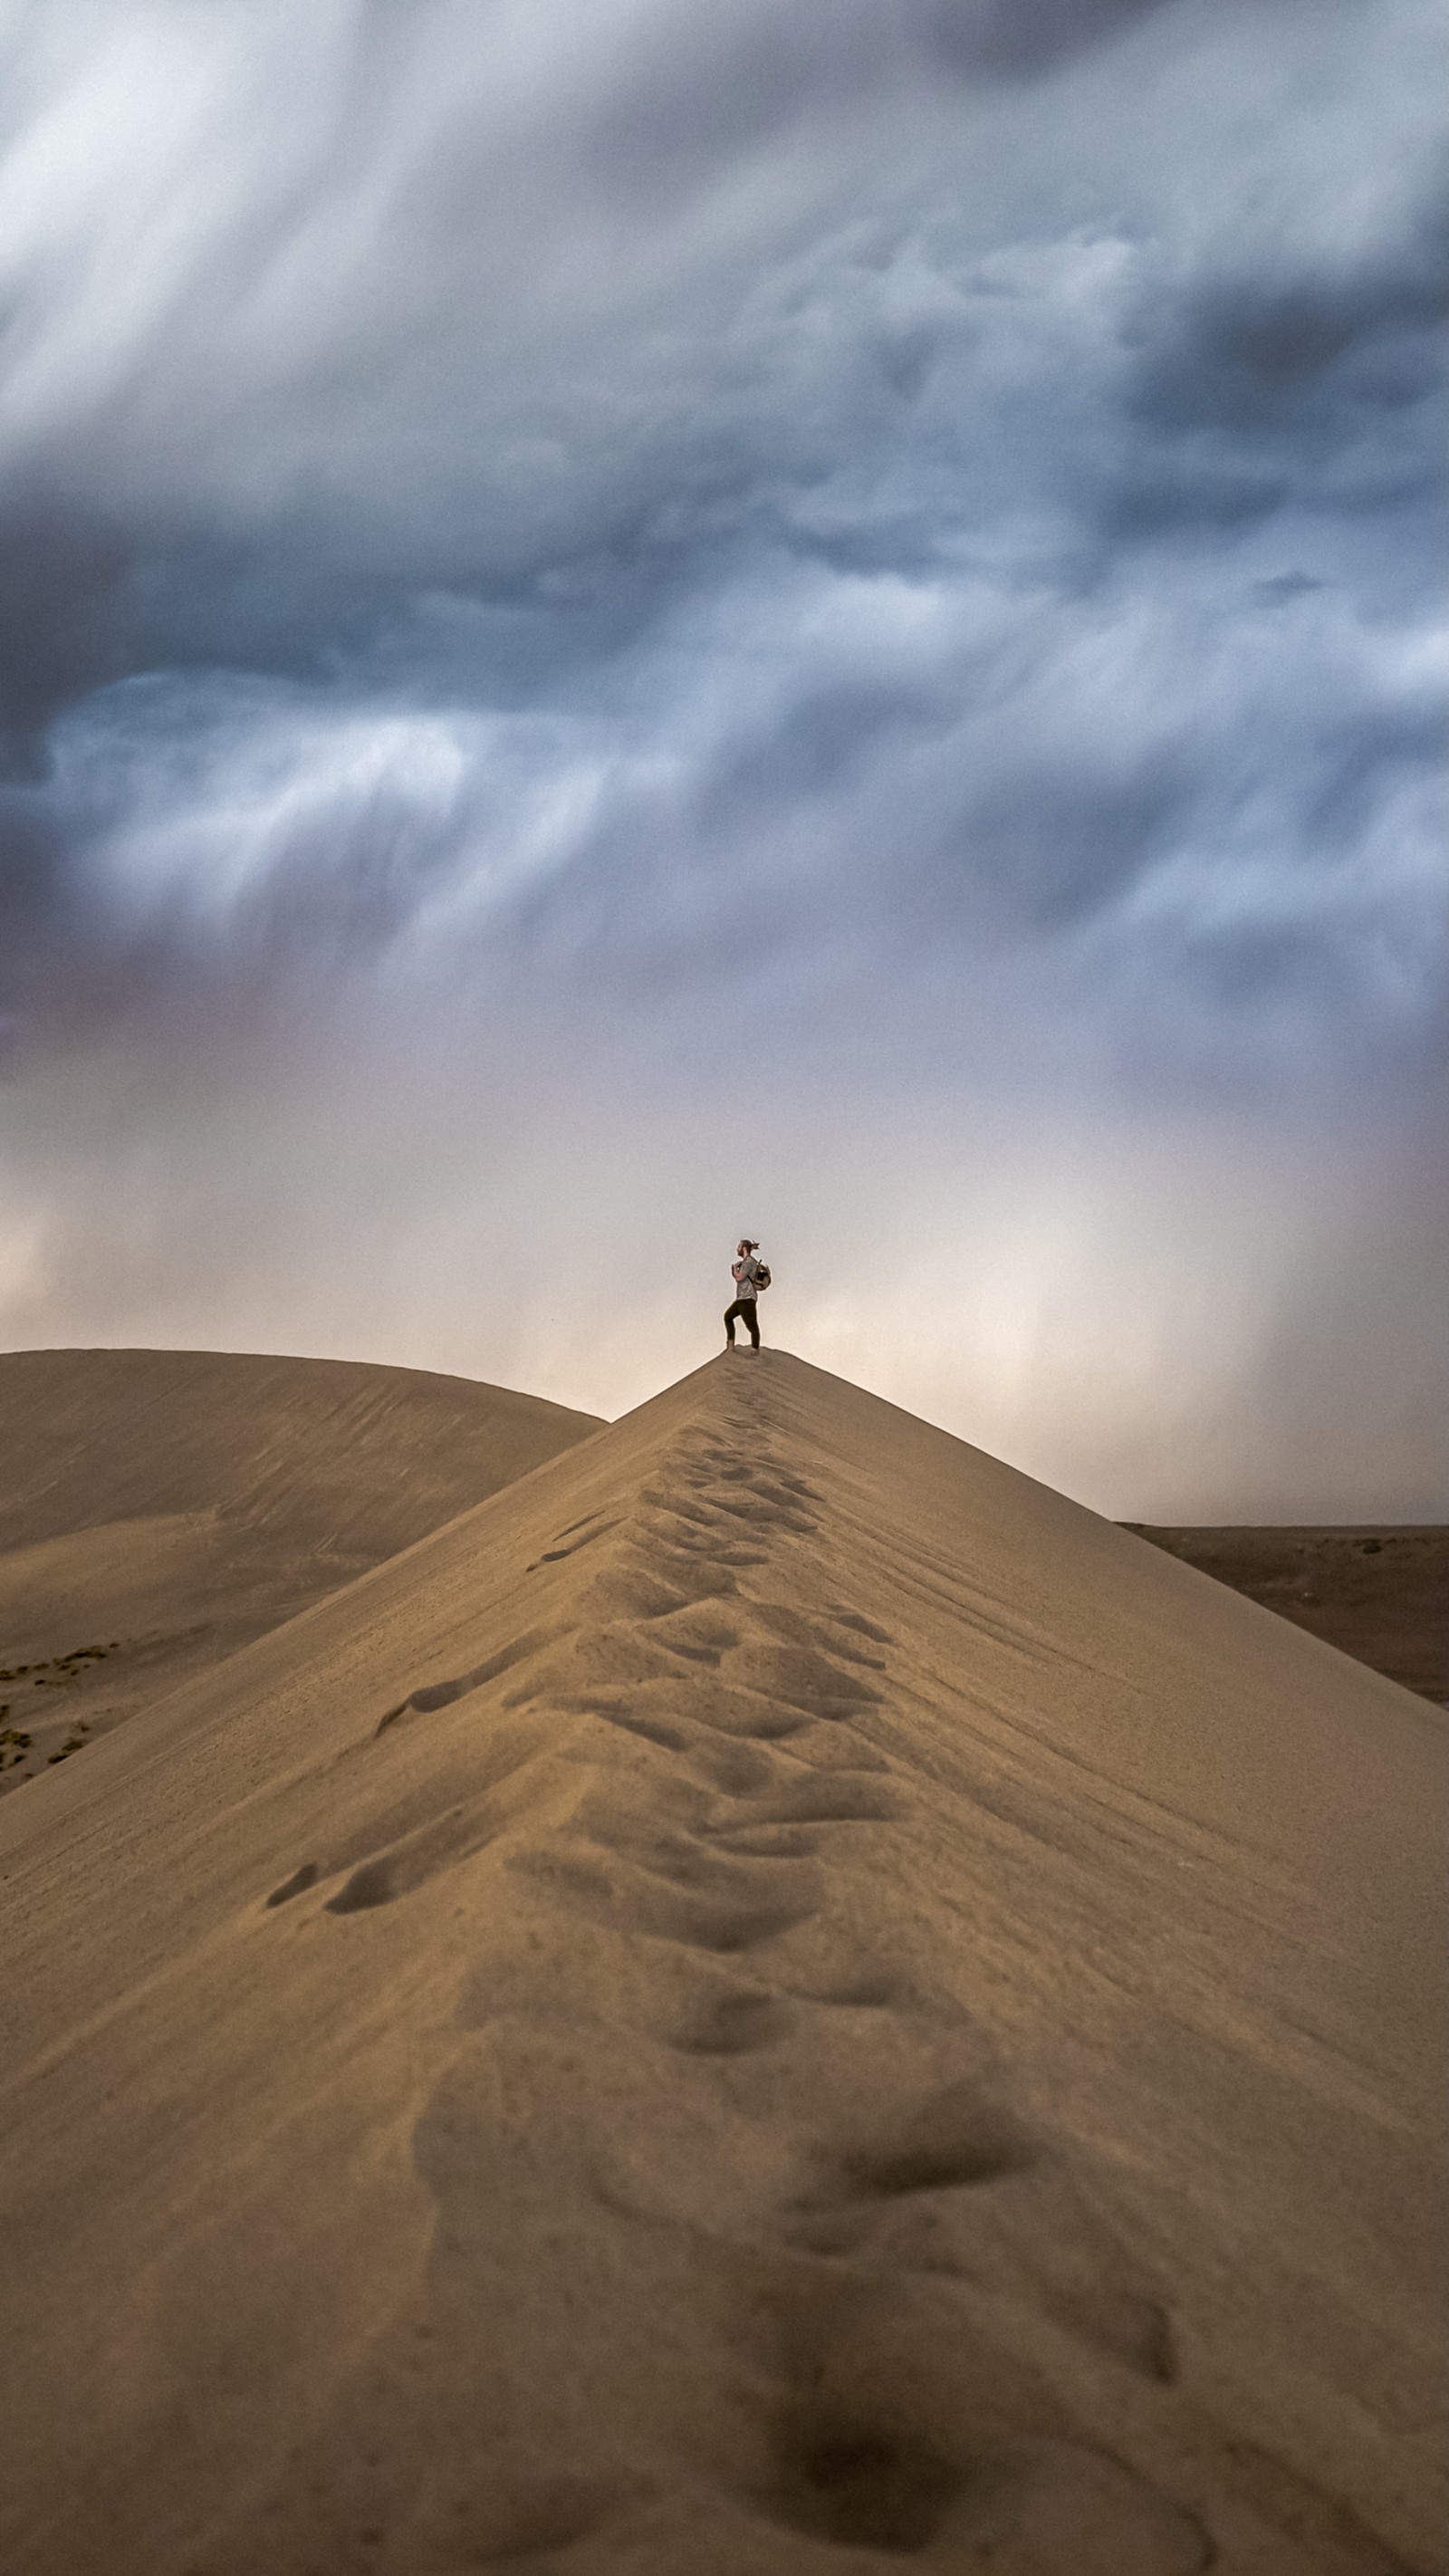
(159, 1509)
(776, 1999)
(1380, 1592)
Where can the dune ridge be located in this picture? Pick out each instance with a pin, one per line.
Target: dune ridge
(774, 1998)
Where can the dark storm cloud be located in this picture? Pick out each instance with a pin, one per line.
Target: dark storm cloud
(1022, 35)
(1285, 354)
(63, 623)
(710, 85)
(1319, 385)
(597, 502)
(39, 940)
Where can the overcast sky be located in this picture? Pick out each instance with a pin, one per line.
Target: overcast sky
(622, 622)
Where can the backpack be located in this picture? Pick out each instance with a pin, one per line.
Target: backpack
(762, 1274)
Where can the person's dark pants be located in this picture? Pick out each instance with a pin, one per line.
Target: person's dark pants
(744, 1307)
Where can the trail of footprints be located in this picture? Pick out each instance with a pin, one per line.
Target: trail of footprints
(884, 2289)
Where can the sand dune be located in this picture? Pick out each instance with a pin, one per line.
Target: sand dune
(775, 1999)
(161, 1508)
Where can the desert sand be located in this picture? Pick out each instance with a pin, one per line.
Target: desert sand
(161, 1508)
(774, 1999)
(1379, 1591)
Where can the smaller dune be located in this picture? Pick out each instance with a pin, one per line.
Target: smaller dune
(162, 1508)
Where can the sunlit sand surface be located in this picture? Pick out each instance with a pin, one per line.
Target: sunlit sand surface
(775, 1999)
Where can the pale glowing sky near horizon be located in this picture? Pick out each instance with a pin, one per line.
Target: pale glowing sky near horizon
(621, 623)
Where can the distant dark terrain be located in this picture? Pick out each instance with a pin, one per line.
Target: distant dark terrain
(1378, 1593)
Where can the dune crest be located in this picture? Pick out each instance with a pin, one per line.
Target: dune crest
(776, 1998)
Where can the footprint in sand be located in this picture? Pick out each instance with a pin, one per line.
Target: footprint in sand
(436, 1695)
(297, 1885)
(399, 1866)
(670, 1739)
(731, 2022)
(1052, 2249)
(1054, 2507)
(697, 1919)
(371, 1885)
(845, 1618)
(901, 2425)
(698, 1636)
(952, 2141)
(554, 1555)
(814, 1798)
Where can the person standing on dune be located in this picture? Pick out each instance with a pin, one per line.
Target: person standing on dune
(750, 1276)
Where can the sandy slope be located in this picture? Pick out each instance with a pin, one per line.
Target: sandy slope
(776, 1999)
(1380, 1591)
(160, 1508)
